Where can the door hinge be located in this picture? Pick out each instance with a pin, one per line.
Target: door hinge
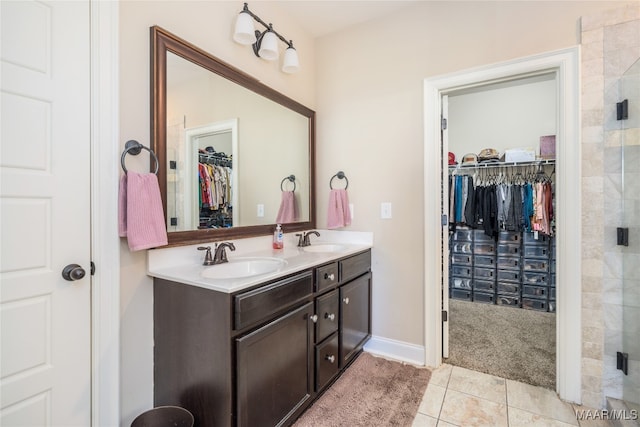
(93, 268)
(444, 220)
(444, 315)
(623, 236)
(443, 124)
(622, 362)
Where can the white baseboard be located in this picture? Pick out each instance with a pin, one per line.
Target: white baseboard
(398, 350)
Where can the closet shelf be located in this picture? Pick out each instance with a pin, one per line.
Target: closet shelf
(540, 162)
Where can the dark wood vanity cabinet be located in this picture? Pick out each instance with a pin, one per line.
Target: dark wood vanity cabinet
(260, 356)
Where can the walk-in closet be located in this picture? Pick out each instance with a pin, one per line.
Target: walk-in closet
(500, 195)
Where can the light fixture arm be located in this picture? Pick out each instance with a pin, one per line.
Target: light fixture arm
(259, 35)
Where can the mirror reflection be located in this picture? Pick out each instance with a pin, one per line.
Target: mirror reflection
(227, 146)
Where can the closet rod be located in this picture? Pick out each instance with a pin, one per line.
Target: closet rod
(503, 164)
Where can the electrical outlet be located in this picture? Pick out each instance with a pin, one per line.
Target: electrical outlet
(385, 210)
(260, 212)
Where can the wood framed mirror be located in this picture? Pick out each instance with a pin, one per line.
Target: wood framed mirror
(209, 117)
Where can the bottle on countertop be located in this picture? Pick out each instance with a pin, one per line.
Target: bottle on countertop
(278, 238)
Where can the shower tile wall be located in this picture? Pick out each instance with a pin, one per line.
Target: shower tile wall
(610, 45)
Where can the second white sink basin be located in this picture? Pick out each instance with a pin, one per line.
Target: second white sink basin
(243, 267)
(324, 247)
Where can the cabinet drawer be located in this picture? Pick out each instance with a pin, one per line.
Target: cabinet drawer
(355, 266)
(535, 304)
(484, 286)
(508, 288)
(508, 250)
(326, 361)
(463, 235)
(535, 278)
(326, 276)
(530, 238)
(484, 261)
(460, 282)
(461, 259)
(509, 276)
(327, 310)
(480, 236)
(535, 291)
(484, 297)
(484, 248)
(460, 271)
(512, 300)
(509, 237)
(530, 264)
(253, 306)
(509, 263)
(484, 273)
(461, 248)
(461, 294)
(536, 252)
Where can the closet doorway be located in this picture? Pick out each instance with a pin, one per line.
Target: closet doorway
(562, 69)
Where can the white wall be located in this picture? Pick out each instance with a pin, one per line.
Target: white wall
(208, 25)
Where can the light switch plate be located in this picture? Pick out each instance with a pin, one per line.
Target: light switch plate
(260, 210)
(385, 210)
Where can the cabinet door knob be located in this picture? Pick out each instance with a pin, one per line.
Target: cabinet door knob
(346, 300)
(314, 318)
(331, 358)
(330, 316)
(329, 276)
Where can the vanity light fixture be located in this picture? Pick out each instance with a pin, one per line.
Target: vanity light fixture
(265, 43)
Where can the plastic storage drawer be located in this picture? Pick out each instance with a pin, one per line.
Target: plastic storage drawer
(532, 264)
(535, 278)
(461, 259)
(487, 298)
(461, 248)
(480, 236)
(535, 291)
(461, 294)
(484, 261)
(552, 280)
(508, 288)
(535, 304)
(484, 286)
(508, 263)
(552, 306)
(484, 273)
(509, 276)
(536, 252)
(512, 300)
(460, 282)
(484, 248)
(529, 238)
(552, 293)
(463, 235)
(509, 237)
(508, 250)
(461, 271)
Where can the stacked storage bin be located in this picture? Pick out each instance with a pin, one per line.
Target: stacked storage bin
(484, 268)
(461, 264)
(536, 271)
(509, 268)
(552, 276)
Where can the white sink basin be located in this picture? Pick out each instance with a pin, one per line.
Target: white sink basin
(324, 247)
(243, 267)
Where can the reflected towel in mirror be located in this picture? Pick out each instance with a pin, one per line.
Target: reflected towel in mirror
(140, 212)
(339, 214)
(287, 212)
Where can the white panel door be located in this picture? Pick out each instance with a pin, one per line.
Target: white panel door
(445, 228)
(45, 364)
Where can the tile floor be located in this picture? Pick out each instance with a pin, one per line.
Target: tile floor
(457, 396)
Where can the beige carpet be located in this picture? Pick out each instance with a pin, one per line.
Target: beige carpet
(508, 342)
(371, 392)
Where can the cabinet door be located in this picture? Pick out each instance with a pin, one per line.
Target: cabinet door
(355, 317)
(274, 369)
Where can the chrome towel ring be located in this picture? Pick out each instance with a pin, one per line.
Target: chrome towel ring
(134, 148)
(291, 178)
(339, 175)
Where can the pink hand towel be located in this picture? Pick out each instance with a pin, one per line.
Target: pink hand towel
(339, 214)
(141, 215)
(287, 212)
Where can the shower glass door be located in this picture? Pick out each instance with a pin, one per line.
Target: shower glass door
(630, 135)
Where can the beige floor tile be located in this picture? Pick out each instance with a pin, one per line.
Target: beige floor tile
(441, 375)
(466, 410)
(422, 420)
(521, 418)
(478, 384)
(539, 401)
(432, 400)
(445, 424)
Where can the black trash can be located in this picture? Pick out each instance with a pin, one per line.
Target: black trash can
(164, 416)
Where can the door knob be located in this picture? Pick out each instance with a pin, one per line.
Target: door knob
(73, 272)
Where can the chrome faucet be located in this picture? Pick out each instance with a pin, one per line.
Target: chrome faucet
(303, 239)
(220, 255)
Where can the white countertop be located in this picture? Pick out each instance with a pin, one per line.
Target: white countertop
(184, 263)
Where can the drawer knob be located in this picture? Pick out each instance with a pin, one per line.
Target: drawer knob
(346, 300)
(314, 318)
(331, 358)
(330, 316)
(329, 276)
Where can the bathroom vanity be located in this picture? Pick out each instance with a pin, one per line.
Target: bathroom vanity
(257, 352)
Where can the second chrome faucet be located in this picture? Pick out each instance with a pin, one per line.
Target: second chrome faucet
(303, 239)
(219, 256)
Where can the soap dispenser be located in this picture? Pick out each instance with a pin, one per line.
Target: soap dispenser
(278, 238)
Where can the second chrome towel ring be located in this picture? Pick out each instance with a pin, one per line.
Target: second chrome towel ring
(339, 175)
(133, 147)
(291, 178)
